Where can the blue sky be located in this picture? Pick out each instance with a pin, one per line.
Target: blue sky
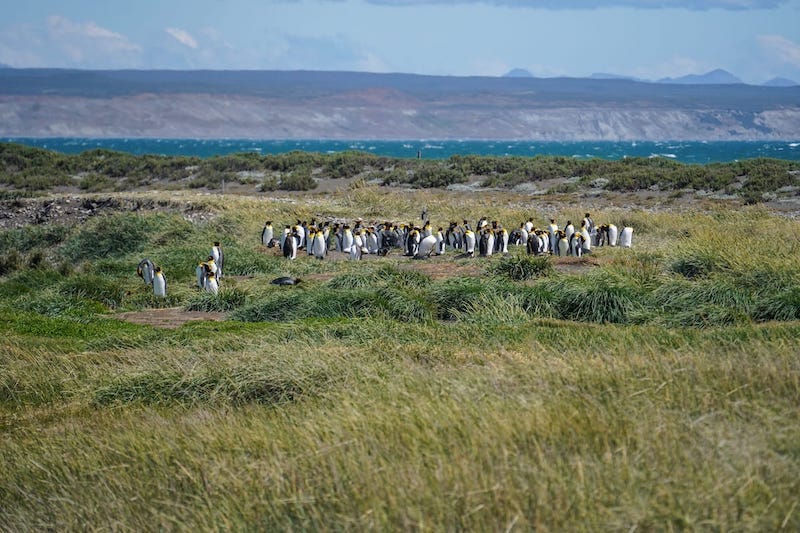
(651, 39)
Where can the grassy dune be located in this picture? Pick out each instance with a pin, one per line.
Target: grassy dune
(655, 388)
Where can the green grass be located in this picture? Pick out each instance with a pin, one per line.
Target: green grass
(647, 389)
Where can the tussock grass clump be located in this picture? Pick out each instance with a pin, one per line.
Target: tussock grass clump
(27, 281)
(293, 304)
(51, 303)
(598, 297)
(698, 264)
(456, 296)
(522, 268)
(385, 276)
(783, 305)
(10, 262)
(491, 309)
(226, 300)
(404, 303)
(111, 235)
(107, 291)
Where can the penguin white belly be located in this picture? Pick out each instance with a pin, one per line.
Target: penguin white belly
(626, 237)
(523, 237)
(212, 286)
(159, 286)
(469, 238)
(266, 236)
(563, 247)
(587, 242)
(490, 246)
(426, 246)
(319, 247)
(347, 241)
(613, 233)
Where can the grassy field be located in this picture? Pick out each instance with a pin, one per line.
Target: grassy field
(652, 389)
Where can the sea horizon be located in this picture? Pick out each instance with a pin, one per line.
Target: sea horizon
(696, 152)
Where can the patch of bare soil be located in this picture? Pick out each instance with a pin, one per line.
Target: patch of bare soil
(574, 265)
(168, 318)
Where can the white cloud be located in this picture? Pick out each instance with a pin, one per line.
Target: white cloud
(65, 43)
(80, 34)
(183, 37)
(785, 50)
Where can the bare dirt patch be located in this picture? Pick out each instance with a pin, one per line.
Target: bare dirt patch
(168, 318)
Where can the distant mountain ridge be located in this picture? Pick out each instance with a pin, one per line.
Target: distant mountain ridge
(715, 77)
(780, 82)
(357, 105)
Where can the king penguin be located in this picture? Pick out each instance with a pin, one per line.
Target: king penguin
(145, 271)
(563, 244)
(626, 237)
(267, 234)
(159, 283)
(469, 242)
(319, 245)
(613, 233)
(200, 274)
(426, 247)
(211, 284)
(219, 258)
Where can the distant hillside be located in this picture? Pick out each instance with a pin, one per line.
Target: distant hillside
(780, 82)
(715, 77)
(351, 105)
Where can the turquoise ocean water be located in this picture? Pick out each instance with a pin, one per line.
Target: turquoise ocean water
(684, 151)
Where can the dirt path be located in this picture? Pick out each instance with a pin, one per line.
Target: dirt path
(168, 318)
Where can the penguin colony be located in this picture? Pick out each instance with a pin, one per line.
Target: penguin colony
(208, 273)
(421, 241)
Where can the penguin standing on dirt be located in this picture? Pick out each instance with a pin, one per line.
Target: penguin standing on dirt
(287, 230)
(347, 239)
(355, 248)
(372, 241)
(319, 245)
(219, 258)
(553, 232)
(412, 242)
(267, 234)
(426, 247)
(289, 247)
(440, 242)
(469, 242)
(145, 270)
(562, 246)
(159, 283)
